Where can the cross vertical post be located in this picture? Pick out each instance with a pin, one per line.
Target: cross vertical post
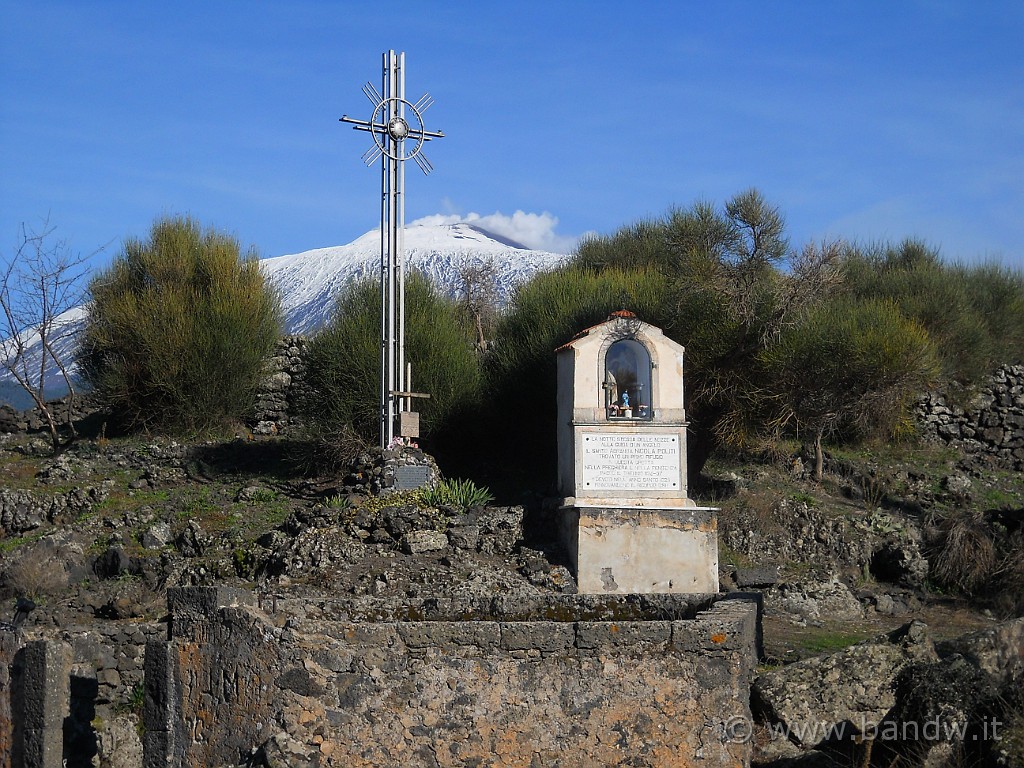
(394, 122)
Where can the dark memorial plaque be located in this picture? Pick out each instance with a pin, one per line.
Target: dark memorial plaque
(412, 477)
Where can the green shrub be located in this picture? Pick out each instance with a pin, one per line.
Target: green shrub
(456, 493)
(824, 339)
(517, 429)
(847, 366)
(973, 314)
(338, 502)
(178, 329)
(344, 363)
(707, 277)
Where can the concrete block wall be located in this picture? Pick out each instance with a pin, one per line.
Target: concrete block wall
(571, 680)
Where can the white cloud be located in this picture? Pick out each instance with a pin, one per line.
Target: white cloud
(533, 230)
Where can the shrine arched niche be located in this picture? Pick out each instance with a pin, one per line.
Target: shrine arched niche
(626, 381)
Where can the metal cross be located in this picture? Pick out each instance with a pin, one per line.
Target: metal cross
(394, 124)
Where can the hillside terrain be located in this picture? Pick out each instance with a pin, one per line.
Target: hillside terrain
(95, 536)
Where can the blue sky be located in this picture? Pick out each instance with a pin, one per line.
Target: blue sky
(862, 120)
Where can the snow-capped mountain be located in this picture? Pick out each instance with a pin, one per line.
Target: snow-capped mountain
(308, 282)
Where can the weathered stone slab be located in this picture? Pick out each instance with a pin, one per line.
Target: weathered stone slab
(544, 636)
(441, 634)
(408, 478)
(757, 576)
(624, 634)
(418, 542)
(630, 462)
(477, 692)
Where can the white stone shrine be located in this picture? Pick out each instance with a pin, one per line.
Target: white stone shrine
(625, 515)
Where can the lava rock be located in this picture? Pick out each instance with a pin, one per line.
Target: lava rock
(464, 537)
(758, 577)
(157, 536)
(418, 542)
(854, 685)
(113, 563)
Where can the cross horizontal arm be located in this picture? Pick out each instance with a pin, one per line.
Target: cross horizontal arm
(366, 125)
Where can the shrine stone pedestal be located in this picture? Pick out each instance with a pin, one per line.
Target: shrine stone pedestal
(624, 515)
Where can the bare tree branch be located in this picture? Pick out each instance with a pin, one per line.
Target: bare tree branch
(480, 297)
(41, 282)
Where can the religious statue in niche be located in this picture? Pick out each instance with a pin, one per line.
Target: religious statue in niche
(627, 380)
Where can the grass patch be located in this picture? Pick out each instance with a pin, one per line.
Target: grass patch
(263, 496)
(124, 501)
(925, 456)
(18, 472)
(269, 516)
(830, 642)
(11, 544)
(731, 557)
(999, 498)
(198, 505)
(236, 520)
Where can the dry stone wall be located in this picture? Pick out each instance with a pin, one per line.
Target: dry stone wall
(991, 423)
(451, 683)
(63, 410)
(73, 699)
(22, 511)
(279, 393)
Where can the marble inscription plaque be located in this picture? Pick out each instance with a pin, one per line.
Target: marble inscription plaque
(624, 462)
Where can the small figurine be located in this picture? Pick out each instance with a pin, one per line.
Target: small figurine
(625, 399)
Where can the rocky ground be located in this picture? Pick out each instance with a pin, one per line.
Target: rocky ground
(97, 534)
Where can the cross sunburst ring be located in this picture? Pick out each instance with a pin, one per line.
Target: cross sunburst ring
(393, 122)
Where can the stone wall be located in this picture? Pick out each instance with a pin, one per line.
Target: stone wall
(106, 692)
(992, 422)
(566, 680)
(275, 412)
(22, 511)
(63, 410)
(281, 389)
(74, 698)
